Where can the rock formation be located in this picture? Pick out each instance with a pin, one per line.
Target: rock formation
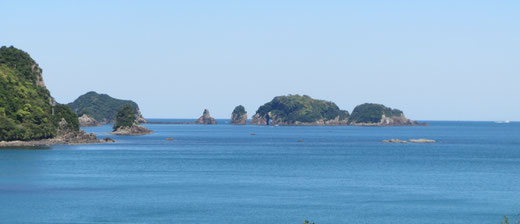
(370, 114)
(239, 116)
(86, 121)
(205, 118)
(299, 110)
(259, 120)
(133, 130)
(421, 140)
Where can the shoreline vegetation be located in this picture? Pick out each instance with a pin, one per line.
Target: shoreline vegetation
(30, 116)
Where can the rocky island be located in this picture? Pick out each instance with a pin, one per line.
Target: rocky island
(239, 116)
(101, 108)
(299, 110)
(126, 123)
(371, 114)
(29, 115)
(205, 118)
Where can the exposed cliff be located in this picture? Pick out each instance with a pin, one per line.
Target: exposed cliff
(370, 114)
(299, 110)
(205, 118)
(102, 107)
(86, 121)
(239, 116)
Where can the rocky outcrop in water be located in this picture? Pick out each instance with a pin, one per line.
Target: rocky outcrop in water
(205, 118)
(299, 110)
(133, 130)
(86, 121)
(239, 116)
(370, 114)
(421, 140)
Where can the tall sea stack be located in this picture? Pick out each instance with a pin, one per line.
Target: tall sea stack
(205, 118)
(239, 116)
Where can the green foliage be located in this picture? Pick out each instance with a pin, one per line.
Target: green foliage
(21, 61)
(101, 107)
(307, 222)
(25, 107)
(506, 221)
(238, 112)
(296, 108)
(63, 111)
(125, 117)
(372, 113)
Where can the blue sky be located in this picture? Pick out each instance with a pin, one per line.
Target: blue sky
(435, 60)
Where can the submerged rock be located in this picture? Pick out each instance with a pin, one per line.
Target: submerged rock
(239, 116)
(205, 118)
(421, 140)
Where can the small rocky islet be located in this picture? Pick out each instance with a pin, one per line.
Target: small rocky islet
(239, 116)
(206, 118)
(127, 123)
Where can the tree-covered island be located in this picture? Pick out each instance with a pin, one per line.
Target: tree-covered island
(299, 110)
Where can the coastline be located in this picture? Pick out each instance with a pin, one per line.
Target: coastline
(73, 138)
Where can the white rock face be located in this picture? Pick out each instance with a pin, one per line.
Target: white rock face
(86, 121)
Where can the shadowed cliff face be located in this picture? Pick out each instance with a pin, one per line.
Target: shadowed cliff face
(205, 118)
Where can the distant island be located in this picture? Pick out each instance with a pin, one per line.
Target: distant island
(371, 114)
(29, 114)
(304, 110)
(95, 108)
(299, 110)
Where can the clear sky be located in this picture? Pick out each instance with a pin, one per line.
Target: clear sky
(435, 60)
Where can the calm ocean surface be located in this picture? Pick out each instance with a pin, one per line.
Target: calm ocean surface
(223, 174)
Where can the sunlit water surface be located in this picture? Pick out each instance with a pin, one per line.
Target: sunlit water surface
(223, 174)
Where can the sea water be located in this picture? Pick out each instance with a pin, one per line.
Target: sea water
(266, 174)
